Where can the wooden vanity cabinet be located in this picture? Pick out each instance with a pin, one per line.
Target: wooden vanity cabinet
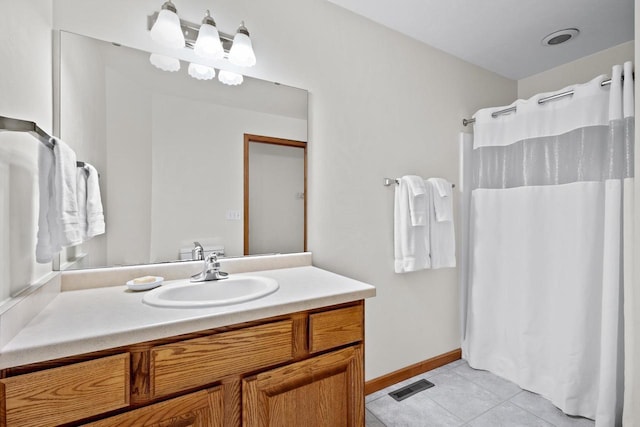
(199, 409)
(66, 393)
(316, 392)
(305, 368)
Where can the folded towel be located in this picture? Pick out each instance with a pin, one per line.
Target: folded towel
(442, 199)
(417, 199)
(58, 223)
(90, 215)
(94, 212)
(442, 240)
(81, 197)
(65, 182)
(48, 235)
(411, 243)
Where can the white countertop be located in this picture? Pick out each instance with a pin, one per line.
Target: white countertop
(82, 321)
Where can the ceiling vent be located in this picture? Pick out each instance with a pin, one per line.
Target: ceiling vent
(560, 37)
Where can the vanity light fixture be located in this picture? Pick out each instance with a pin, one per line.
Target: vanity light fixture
(230, 78)
(208, 44)
(166, 30)
(241, 52)
(206, 41)
(165, 63)
(201, 72)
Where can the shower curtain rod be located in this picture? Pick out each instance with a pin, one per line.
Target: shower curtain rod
(540, 101)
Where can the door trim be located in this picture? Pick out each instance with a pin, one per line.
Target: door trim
(275, 141)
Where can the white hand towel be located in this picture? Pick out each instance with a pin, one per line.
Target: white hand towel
(442, 239)
(48, 242)
(81, 197)
(417, 199)
(411, 243)
(442, 199)
(94, 212)
(64, 178)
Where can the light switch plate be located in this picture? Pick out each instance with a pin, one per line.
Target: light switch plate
(234, 215)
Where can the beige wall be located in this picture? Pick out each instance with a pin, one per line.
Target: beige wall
(381, 105)
(25, 93)
(579, 71)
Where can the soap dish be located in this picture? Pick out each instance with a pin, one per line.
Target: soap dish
(145, 286)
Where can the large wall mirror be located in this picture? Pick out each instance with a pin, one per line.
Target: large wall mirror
(169, 150)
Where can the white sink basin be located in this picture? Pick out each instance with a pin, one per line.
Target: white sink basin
(229, 291)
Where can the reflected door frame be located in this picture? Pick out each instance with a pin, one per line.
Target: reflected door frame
(261, 139)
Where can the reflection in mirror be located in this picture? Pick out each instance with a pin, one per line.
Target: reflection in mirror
(274, 183)
(169, 149)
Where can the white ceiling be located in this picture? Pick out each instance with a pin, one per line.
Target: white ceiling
(504, 36)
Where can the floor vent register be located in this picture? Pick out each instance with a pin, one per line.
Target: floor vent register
(411, 389)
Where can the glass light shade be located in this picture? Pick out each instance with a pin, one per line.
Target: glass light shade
(167, 31)
(230, 78)
(241, 52)
(165, 63)
(208, 44)
(201, 72)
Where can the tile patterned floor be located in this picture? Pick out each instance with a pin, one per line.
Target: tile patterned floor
(465, 397)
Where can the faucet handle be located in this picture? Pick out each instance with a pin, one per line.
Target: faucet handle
(197, 252)
(211, 270)
(212, 260)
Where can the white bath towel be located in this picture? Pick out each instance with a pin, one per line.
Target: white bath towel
(442, 199)
(94, 212)
(64, 181)
(442, 240)
(48, 241)
(417, 199)
(58, 224)
(90, 213)
(411, 243)
(81, 197)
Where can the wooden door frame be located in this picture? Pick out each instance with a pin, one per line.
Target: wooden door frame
(275, 141)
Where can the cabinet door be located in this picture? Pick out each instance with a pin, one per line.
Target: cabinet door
(326, 390)
(200, 409)
(65, 394)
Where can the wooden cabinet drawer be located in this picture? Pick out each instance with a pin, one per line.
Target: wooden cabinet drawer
(334, 328)
(200, 409)
(68, 393)
(200, 361)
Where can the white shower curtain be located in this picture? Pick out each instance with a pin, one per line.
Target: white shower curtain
(544, 280)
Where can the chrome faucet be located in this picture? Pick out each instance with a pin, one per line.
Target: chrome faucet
(197, 253)
(211, 270)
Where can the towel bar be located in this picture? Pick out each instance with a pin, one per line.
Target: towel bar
(390, 181)
(17, 125)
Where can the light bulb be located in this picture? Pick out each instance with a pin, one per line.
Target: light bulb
(208, 44)
(165, 63)
(201, 72)
(166, 30)
(230, 78)
(241, 52)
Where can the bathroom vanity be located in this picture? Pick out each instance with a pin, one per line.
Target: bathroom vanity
(294, 357)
